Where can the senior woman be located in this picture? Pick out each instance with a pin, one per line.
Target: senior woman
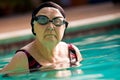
(47, 51)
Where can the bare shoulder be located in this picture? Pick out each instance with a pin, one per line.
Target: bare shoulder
(63, 44)
(18, 62)
(79, 56)
(20, 56)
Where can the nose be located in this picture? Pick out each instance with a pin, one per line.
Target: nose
(50, 26)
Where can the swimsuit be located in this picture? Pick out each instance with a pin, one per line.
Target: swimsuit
(34, 65)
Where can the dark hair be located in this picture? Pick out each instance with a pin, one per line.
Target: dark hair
(46, 4)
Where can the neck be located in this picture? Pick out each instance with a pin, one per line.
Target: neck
(47, 51)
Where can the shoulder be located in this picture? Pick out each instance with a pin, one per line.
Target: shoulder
(20, 55)
(63, 44)
(19, 59)
(17, 63)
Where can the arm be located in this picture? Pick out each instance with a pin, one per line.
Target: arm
(16, 65)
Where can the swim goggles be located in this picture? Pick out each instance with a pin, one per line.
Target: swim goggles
(43, 20)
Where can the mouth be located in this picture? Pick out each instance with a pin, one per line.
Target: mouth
(50, 35)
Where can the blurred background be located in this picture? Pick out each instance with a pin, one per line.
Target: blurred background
(16, 14)
(10, 7)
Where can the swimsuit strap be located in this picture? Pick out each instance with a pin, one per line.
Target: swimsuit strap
(72, 55)
(33, 64)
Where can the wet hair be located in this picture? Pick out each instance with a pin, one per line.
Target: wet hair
(43, 5)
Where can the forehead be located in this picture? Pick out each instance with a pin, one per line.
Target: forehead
(49, 11)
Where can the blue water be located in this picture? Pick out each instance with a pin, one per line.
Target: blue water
(101, 53)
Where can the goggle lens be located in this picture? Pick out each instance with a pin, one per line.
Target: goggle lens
(43, 20)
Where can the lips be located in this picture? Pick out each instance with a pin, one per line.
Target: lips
(50, 35)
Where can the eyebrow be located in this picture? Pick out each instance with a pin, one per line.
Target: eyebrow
(52, 18)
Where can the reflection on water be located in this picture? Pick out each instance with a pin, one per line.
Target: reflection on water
(99, 39)
(101, 60)
(63, 74)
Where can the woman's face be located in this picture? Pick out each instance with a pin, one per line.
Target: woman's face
(49, 33)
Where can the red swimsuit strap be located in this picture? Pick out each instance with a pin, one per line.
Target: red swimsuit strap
(72, 55)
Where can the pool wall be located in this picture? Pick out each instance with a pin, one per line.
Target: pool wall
(9, 42)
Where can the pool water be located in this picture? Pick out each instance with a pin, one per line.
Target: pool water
(101, 53)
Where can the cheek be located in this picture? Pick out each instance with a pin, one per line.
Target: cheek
(61, 32)
(38, 30)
